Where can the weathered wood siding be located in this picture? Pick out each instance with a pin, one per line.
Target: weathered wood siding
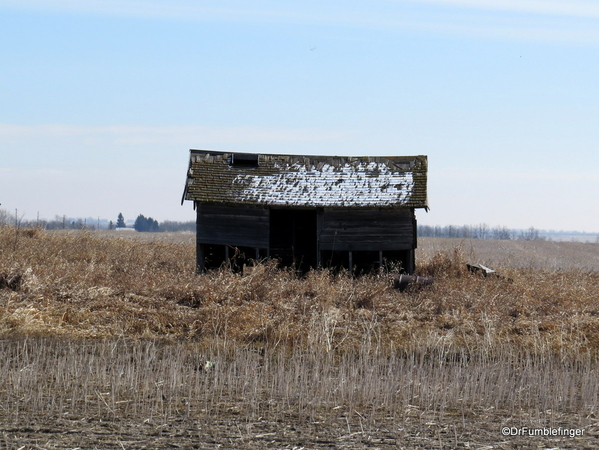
(345, 229)
(243, 226)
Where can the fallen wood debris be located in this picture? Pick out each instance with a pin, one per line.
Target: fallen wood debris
(479, 268)
(12, 282)
(401, 282)
(485, 271)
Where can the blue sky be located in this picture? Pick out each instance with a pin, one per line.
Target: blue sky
(101, 100)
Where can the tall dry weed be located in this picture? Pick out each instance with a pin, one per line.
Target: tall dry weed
(444, 263)
(82, 284)
(153, 381)
(96, 329)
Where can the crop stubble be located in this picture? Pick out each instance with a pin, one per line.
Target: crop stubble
(104, 344)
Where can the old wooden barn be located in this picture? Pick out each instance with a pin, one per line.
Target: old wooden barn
(307, 211)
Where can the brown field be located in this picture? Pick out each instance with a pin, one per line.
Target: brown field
(104, 340)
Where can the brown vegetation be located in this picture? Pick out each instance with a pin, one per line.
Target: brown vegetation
(81, 285)
(97, 328)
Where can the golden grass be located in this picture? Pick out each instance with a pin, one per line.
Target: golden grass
(100, 332)
(518, 254)
(83, 285)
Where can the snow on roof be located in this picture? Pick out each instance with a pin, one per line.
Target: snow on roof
(306, 181)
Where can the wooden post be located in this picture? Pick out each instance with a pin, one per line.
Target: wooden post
(319, 227)
(411, 262)
(351, 262)
(200, 258)
(380, 258)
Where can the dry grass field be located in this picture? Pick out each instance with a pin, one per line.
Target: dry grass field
(104, 340)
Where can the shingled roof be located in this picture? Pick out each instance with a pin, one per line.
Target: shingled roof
(306, 181)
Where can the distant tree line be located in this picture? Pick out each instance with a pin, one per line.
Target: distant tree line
(120, 221)
(170, 225)
(481, 231)
(142, 223)
(147, 224)
(58, 222)
(6, 218)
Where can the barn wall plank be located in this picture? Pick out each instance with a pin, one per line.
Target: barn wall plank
(242, 226)
(373, 229)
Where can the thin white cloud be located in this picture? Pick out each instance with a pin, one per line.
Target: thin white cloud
(586, 9)
(175, 10)
(536, 20)
(182, 135)
(484, 175)
(185, 9)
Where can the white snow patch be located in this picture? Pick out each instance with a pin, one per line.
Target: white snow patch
(363, 184)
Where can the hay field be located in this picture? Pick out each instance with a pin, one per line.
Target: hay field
(552, 256)
(105, 338)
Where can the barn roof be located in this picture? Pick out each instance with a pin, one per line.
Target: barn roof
(306, 181)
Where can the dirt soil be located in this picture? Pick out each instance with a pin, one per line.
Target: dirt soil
(480, 430)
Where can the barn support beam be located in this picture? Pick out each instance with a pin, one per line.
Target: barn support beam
(411, 263)
(319, 228)
(200, 258)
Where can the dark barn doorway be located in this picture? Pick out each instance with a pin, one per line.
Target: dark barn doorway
(293, 238)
